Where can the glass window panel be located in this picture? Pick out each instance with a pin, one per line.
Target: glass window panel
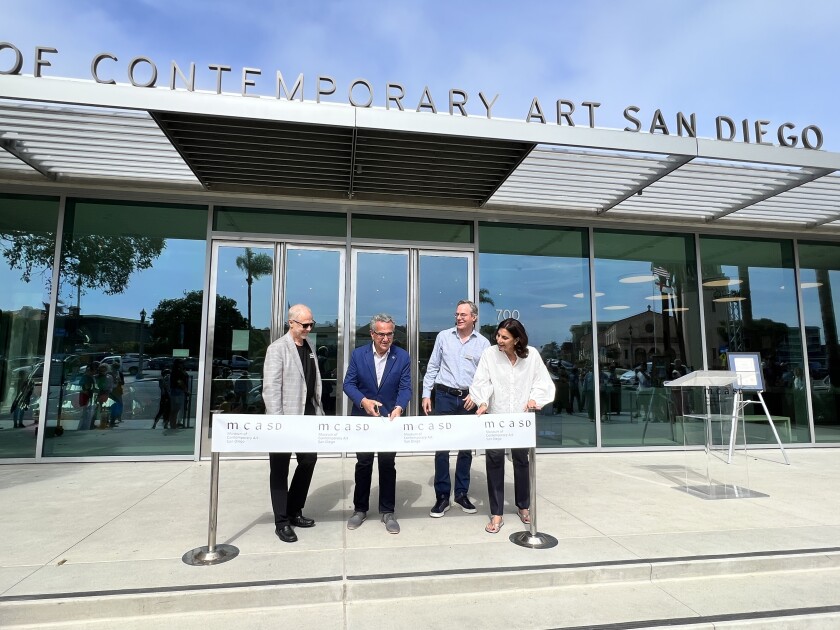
(129, 307)
(241, 327)
(27, 244)
(444, 281)
(272, 221)
(541, 277)
(408, 229)
(314, 278)
(648, 333)
(750, 305)
(819, 282)
(381, 287)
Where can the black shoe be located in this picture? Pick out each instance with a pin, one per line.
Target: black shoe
(286, 534)
(301, 521)
(440, 507)
(466, 505)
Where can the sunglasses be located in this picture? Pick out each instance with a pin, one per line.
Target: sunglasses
(306, 326)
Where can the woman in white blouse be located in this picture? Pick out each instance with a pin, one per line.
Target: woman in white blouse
(510, 378)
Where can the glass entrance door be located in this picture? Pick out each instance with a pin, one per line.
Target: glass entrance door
(315, 277)
(419, 288)
(254, 284)
(252, 287)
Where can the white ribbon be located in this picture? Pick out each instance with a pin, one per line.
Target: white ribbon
(244, 433)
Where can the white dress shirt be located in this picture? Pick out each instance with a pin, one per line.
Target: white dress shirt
(379, 363)
(507, 387)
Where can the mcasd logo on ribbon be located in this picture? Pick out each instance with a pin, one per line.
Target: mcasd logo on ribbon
(243, 433)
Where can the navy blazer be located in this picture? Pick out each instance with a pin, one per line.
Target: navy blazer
(360, 381)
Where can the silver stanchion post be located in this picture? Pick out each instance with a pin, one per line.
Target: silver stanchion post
(531, 538)
(212, 553)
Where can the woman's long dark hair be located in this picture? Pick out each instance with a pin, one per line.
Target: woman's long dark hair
(517, 331)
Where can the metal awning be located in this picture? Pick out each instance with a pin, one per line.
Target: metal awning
(676, 187)
(282, 158)
(63, 131)
(88, 143)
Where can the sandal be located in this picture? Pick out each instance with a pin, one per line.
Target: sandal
(524, 516)
(494, 527)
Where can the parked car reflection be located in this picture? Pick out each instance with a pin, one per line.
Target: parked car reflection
(161, 363)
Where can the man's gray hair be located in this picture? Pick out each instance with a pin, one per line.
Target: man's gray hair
(471, 304)
(383, 318)
(296, 311)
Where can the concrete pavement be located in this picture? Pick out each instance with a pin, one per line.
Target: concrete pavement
(91, 545)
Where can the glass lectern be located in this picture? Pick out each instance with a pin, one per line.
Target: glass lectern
(714, 407)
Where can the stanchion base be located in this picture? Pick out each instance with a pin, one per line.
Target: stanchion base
(202, 556)
(535, 541)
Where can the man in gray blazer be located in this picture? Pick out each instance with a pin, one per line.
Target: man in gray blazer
(292, 386)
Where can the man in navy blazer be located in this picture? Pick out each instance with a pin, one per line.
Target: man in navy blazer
(378, 382)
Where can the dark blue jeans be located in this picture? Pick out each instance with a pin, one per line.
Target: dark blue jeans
(449, 405)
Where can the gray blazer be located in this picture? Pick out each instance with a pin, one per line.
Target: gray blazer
(284, 390)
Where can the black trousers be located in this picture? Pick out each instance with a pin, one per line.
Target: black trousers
(495, 465)
(387, 482)
(163, 410)
(288, 500)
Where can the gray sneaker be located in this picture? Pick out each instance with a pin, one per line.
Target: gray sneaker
(355, 521)
(391, 523)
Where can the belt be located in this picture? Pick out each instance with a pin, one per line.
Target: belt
(460, 393)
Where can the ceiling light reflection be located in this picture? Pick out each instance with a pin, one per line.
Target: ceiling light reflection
(721, 282)
(638, 278)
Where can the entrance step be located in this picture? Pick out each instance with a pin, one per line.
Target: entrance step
(780, 589)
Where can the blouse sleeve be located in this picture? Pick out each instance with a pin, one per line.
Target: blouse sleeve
(542, 387)
(482, 386)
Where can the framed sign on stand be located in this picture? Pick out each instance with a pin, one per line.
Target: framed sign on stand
(749, 377)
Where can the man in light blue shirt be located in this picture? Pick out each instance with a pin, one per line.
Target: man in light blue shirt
(450, 373)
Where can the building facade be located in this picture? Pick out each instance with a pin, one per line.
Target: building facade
(164, 233)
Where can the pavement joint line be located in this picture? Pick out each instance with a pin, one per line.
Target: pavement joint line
(23, 579)
(682, 621)
(543, 500)
(344, 594)
(623, 546)
(169, 589)
(660, 586)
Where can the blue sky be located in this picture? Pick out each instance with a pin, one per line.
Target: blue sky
(764, 59)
